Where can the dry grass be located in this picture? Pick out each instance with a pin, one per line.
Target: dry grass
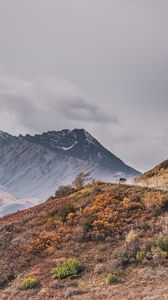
(109, 228)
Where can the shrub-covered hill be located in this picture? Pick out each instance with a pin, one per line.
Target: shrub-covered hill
(156, 177)
(104, 241)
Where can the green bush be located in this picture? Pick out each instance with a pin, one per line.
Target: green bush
(128, 255)
(62, 212)
(64, 191)
(132, 255)
(29, 283)
(70, 267)
(162, 243)
(112, 278)
(140, 255)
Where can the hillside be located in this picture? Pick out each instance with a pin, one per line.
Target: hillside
(36, 165)
(117, 236)
(156, 177)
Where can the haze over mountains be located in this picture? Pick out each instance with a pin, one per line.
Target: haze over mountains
(9, 203)
(34, 166)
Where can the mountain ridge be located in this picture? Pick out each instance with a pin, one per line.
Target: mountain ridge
(78, 143)
(34, 166)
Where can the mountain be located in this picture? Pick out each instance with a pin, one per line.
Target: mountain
(80, 144)
(156, 177)
(33, 170)
(36, 165)
(9, 203)
(105, 241)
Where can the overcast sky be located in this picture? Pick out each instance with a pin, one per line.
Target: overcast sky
(101, 65)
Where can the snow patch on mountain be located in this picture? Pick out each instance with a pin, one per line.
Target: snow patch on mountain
(68, 148)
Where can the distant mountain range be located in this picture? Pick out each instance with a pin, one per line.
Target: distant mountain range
(34, 166)
(9, 203)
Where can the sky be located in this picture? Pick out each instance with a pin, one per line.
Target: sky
(101, 65)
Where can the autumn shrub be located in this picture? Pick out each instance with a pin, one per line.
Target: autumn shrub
(70, 267)
(40, 244)
(65, 210)
(153, 198)
(29, 283)
(132, 205)
(112, 278)
(106, 216)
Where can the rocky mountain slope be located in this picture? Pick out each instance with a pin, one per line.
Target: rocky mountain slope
(36, 165)
(104, 241)
(156, 177)
(80, 144)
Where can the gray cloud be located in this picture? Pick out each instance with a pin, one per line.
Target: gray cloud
(116, 53)
(47, 104)
(81, 110)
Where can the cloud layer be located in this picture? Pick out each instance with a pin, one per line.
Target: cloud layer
(112, 59)
(46, 104)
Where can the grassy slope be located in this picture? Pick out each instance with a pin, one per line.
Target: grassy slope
(92, 225)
